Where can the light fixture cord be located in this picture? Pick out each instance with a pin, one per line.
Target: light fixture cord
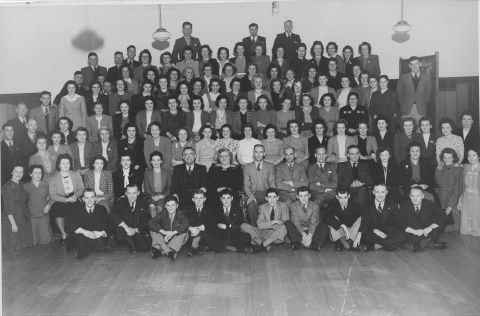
(160, 14)
(401, 11)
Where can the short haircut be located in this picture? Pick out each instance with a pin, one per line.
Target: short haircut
(45, 92)
(271, 190)
(226, 192)
(155, 153)
(342, 190)
(413, 58)
(198, 191)
(81, 129)
(187, 148)
(221, 151)
(352, 147)
(97, 157)
(451, 151)
(89, 190)
(36, 166)
(381, 150)
(170, 198)
(4, 126)
(131, 46)
(413, 144)
(466, 113)
(186, 23)
(132, 185)
(303, 188)
(416, 187)
(253, 25)
(92, 54)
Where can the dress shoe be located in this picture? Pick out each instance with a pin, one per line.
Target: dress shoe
(437, 245)
(190, 252)
(368, 247)
(338, 246)
(172, 255)
(267, 248)
(345, 243)
(257, 248)
(156, 253)
(296, 245)
(355, 249)
(199, 251)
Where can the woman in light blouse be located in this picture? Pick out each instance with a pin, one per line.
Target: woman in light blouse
(223, 55)
(273, 146)
(297, 141)
(205, 147)
(43, 157)
(106, 147)
(65, 187)
(221, 115)
(100, 180)
(210, 98)
(246, 145)
(338, 144)
(342, 94)
(73, 106)
(226, 140)
(448, 139)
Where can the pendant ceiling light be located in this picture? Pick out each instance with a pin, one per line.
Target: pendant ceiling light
(402, 26)
(160, 34)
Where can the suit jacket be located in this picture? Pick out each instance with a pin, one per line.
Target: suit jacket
(407, 95)
(237, 122)
(134, 176)
(180, 43)
(183, 183)
(102, 99)
(105, 184)
(370, 65)
(320, 66)
(162, 221)
(472, 140)
(11, 156)
(289, 44)
(87, 154)
(141, 120)
(234, 220)
(190, 120)
(281, 213)
(149, 184)
(428, 215)
(386, 141)
(335, 217)
(20, 130)
(122, 213)
(98, 220)
(308, 220)
(56, 189)
(345, 174)
(196, 219)
(39, 116)
(114, 73)
(250, 184)
(392, 174)
(328, 178)
(112, 153)
(313, 144)
(427, 173)
(428, 150)
(384, 221)
(89, 75)
(250, 46)
(297, 175)
(165, 147)
(92, 125)
(333, 146)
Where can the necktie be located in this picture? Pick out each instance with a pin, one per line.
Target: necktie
(227, 212)
(304, 208)
(46, 119)
(272, 214)
(132, 207)
(321, 167)
(380, 208)
(199, 210)
(290, 166)
(417, 210)
(24, 122)
(415, 81)
(189, 171)
(355, 171)
(258, 167)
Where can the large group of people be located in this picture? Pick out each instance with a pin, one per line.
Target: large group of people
(238, 153)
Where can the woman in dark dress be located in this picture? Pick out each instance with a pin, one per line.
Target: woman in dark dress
(120, 120)
(95, 96)
(319, 138)
(383, 135)
(64, 125)
(385, 171)
(132, 144)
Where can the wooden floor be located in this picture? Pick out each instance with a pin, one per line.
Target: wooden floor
(49, 281)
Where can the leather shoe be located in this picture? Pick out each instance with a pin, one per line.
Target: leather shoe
(368, 247)
(257, 248)
(267, 248)
(437, 245)
(156, 253)
(338, 246)
(172, 255)
(295, 245)
(131, 246)
(190, 252)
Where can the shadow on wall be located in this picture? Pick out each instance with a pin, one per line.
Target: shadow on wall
(87, 40)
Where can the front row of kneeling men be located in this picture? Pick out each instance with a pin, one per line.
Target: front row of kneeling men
(380, 223)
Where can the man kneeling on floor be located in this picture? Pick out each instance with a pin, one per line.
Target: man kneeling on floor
(344, 217)
(89, 226)
(270, 222)
(169, 230)
(422, 221)
(306, 227)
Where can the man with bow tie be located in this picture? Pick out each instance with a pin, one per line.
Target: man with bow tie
(92, 71)
(89, 226)
(382, 226)
(45, 114)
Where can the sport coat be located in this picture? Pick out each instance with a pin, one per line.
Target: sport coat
(390, 178)
(386, 220)
(180, 43)
(370, 64)
(19, 130)
(386, 141)
(297, 175)
(250, 45)
(308, 220)
(328, 178)
(427, 215)
(428, 150)
(122, 213)
(407, 95)
(89, 75)
(39, 116)
(114, 73)
(98, 220)
(92, 126)
(281, 213)
(183, 183)
(335, 217)
(11, 156)
(237, 122)
(162, 221)
(313, 144)
(250, 182)
(234, 220)
(472, 140)
(87, 154)
(195, 218)
(427, 173)
(345, 174)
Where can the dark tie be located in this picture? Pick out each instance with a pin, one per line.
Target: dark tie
(132, 207)
(24, 122)
(272, 214)
(259, 168)
(199, 210)
(417, 210)
(355, 171)
(189, 171)
(304, 208)
(227, 212)
(380, 208)
(321, 167)
(290, 166)
(46, 119)
(415, 81)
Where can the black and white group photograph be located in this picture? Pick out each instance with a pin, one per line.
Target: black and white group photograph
(243, 157)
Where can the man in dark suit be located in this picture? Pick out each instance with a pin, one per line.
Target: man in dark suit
(427, 140)
(186, 40)
(223, 227)
(322, 178)
(122, 177)
(249, 42)
(469, 134)
(82, 151)
(130, 60)
(169, 230)
(346, 222)
(92, 71)
(130, 216)
(197, 214)
(258, 176)
(306, 227)
(287, 40)
(188, 177)
(382, 229)
(89, 226)
(354, 175)
(45, 114)
(115, 72)
(422, 221)
(12, 153)
(19, 123)
(414, 90)
(289, 176)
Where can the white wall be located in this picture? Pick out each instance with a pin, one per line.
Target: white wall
(36, 51)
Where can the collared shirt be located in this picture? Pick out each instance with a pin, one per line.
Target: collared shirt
(125, 177)
(379, 205)
(97, 181)
(104, 150)
(81, 148)
(149, 117)
(99, 121)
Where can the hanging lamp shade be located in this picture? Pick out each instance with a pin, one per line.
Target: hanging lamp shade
(402, 26)
(161, 34)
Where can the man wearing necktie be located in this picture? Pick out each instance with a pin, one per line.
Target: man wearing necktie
(422, 221)
(271, 222)
(345, 219)
(322, 177)
(196, 215)
(306, 228)
(250, 42)
(92, 71)
(289, 176)
(169, 230)
(355, 175)
(19, 123)
(414, 90)
(383, 231)
(12, 153)
(89, 226)
(45, 114)
(287, 40)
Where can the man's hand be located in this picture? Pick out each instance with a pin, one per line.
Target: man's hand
(427, 231)
(448, 210)
(356, 242)
(251, 199)
(379, 233)
(222, 226)
(347, 233)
